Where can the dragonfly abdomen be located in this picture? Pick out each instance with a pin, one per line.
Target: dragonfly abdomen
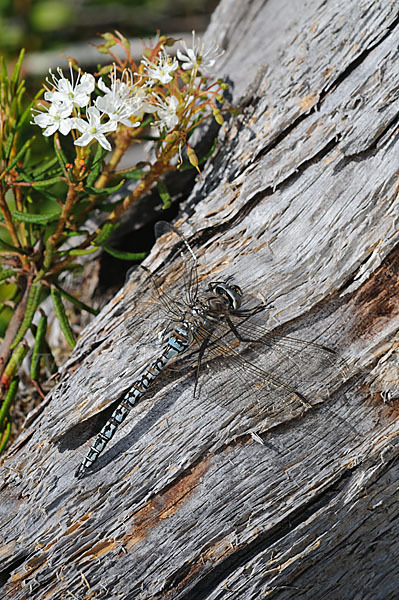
(179, 341)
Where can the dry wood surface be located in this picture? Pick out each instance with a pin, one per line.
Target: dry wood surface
(189, 500)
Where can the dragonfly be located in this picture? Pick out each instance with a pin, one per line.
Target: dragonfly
(223, 327)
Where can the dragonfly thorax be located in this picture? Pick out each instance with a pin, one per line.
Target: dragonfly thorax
(179, 339)
(212, 307)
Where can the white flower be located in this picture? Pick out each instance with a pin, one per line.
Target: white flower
(94, 129)
(166, 111)
(140, 102)
(162, 69)
(197, 58)
(124, 99)
(116, 102)
(71, 92)
(57, 118)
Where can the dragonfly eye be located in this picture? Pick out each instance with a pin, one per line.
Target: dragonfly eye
(231, 293)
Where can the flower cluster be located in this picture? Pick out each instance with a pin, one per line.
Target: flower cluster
(122, 101)
(65, 203)
(155, 87)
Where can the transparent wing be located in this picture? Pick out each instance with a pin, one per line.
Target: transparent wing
(298, 360)
(303, 359)
(266, 374)
(165, 292)
(244, 366)
(183, 259)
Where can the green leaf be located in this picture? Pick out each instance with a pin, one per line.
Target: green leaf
(13, 106)
(124, 255)
(31, 306)
(5, 423)
(6, 274)
(37, 219)
(47, 260)
(19, 155)
(23, 177)
(79, 251)
(8, 145)
(38, 348)
(70, 234)
(147, 122)
(12, 390)
(6, 436)
(105, 233)
(62, 318)
(62, 159)
(76, 302)
(96, 165)
(4, 76)
(164, 194)
(210, 152)
(20, 90)
(16, 360)
(136, 174)
(13, 249)
(44, 166)
(47, 183)
(52, 197)
(27, 111)
(108, 190)
(17, 68)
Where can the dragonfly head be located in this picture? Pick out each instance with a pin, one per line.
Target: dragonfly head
(229, 292)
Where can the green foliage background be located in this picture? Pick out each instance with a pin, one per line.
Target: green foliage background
(38, 25)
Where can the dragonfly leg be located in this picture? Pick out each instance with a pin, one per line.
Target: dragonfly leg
(238, 335)
(201, 352)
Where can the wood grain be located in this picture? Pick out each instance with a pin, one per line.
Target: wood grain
(300, 205)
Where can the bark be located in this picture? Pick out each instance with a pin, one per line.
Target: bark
(300, 204)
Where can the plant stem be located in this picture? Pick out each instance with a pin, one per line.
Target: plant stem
(24, 283)
(9, 223)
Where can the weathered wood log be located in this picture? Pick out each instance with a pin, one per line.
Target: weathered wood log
(300, 205)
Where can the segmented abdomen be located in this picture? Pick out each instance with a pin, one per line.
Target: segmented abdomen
(176, 344)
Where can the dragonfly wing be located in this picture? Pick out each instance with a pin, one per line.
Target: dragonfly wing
(269, 377)
(184, 261)
(299, 359)
(162, 293)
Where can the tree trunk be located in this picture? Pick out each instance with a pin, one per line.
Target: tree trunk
(300, 205)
